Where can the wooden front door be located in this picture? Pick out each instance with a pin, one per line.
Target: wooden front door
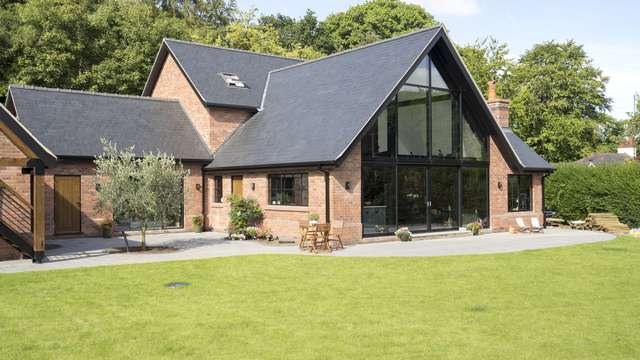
(67, 204)
(236, 185)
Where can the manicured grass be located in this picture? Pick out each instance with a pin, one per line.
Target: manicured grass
(580, 302)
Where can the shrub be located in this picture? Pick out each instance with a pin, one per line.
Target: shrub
(243, 212)
(251, 232)
(575, 190)
(264, 233)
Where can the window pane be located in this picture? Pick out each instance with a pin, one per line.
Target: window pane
(288, 189)
(519, 193)
(474, 194)
(444, 199)
(380, 140)
(412, 121)
(436, 78)
(217, 189)
(444, 124)
(378, 196)
(474, 145)
(420, 75)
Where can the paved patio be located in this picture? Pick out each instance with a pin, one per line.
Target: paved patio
(87, 252)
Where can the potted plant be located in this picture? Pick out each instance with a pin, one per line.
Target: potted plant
(313, 218)
(474, 227)
(404, 234)
(197, 223)
(107, 228)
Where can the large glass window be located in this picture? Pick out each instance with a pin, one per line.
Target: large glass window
(380, 141)
(474, 145)
(412, 121)
(474, 194)
(378, 200)
(421, 160)
(519, 192)
(289, 189)
(444, 124)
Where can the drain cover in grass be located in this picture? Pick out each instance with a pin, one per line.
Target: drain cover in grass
(173, 285)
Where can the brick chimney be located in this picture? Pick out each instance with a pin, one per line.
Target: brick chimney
(499, 107)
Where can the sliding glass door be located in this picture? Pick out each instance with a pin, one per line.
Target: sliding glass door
(443, 195)
(412, 197)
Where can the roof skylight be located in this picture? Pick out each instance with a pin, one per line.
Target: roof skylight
(233, 80)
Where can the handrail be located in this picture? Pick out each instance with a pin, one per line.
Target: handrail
(15, 194)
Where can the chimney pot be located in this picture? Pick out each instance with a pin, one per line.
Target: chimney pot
(499, 107)
(492, 90)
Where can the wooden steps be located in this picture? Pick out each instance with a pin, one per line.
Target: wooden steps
(607, 222)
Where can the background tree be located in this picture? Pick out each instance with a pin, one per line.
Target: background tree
(558, 98)
(371, 21)
(145, 189)
(488, 59)
(294, 33)
(247, 34)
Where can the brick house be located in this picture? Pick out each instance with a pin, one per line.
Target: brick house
(387, 135)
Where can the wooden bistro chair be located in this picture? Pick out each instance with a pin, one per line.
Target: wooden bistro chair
(322, 237)
(308, 235)
(335, 235)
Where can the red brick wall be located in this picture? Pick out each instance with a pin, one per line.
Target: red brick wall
(214, 124)
(14, 178)
(501, 218)
(284, 220)
(90, 216)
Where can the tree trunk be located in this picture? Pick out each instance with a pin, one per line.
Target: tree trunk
(143, 236)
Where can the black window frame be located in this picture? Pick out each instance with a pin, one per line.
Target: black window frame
(217, 189)
(514, 187)
(279, 179)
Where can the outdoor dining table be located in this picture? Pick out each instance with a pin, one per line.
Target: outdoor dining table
(314, 236)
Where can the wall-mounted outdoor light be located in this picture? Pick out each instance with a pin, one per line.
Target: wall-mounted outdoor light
(347, 185)
(253, 186)
(198, 187)
(499, 185)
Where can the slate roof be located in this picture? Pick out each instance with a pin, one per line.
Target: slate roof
(70, 123)
(528, 158)
(604, 158)
(202, 65)
(314, 110)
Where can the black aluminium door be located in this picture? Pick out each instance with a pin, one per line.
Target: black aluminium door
(443, 198)
(427, 197)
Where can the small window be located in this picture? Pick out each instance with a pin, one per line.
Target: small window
(519, 192)
(233, 80)
(217, 189)
(289, 189)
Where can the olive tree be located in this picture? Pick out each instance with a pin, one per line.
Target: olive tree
(147, 188)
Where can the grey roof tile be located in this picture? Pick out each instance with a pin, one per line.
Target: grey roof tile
(528, 158)
(70, 123)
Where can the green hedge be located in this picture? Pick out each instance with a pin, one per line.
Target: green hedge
(575, 190)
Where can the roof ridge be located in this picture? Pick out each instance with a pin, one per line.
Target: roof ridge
(232, 49)
(94, 93)
(383, 41)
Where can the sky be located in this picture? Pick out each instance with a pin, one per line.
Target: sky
(609, 30)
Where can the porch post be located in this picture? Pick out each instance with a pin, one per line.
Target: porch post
(38, 213)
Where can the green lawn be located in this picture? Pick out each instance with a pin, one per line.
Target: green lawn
(580, 302)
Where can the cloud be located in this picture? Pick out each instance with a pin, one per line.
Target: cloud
(449, 7)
